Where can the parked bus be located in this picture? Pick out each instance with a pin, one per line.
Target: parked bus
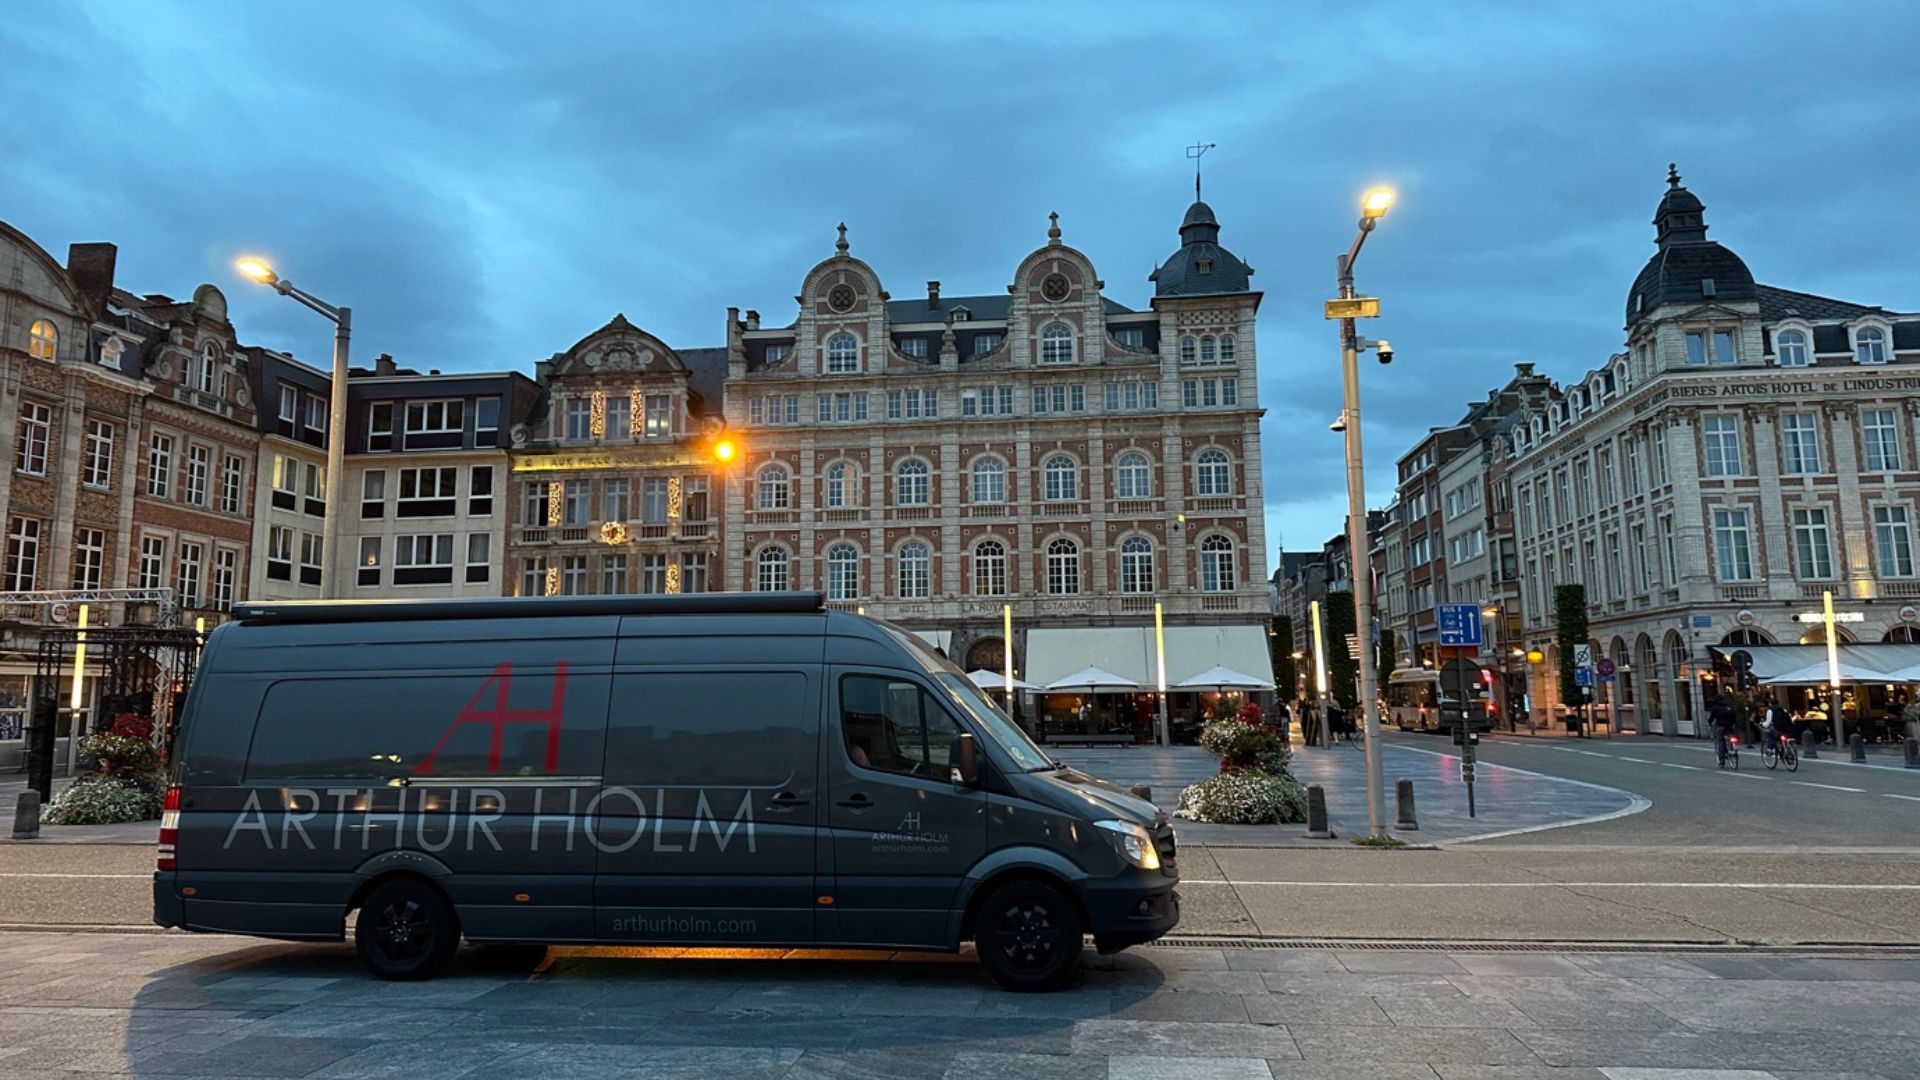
(1415, 702)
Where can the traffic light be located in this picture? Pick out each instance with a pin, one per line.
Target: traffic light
(1742, 669)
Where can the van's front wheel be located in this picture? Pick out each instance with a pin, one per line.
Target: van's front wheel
(1029, 935)
(405, 931)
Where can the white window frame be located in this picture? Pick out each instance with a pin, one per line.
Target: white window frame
(843, 354)
(1872, 344)
(1133, 476)
(160, 465)
(1060, 476)
(913, 483)
(1219, 569)
(1792, 347)
(31, 445)
(843, 572)
(1136, 565)
(1893, 540)
(989, 568)
(1056, 343)
(97, 471)
(1731, 524)
(913, 570)
(1880, 442)
(773, 487)
(89, 557)
(1212, 473)
(1063, 566)
(1800, 444)
(1720, 438)
(773, 569)
(1812, 543)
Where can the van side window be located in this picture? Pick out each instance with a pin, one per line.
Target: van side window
(892, 725)
(732, 729)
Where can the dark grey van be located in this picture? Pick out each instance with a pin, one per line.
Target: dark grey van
(740, 770)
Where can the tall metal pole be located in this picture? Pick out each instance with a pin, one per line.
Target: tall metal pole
(1319, 675)
(1160, 671)
(333, 568)
(1833, 670)
(1357, 532)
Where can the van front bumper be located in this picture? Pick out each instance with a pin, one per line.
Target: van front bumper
(169, 909)
(1132, 909)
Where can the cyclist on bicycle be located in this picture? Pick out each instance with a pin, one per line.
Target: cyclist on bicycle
(1778, 726)
(1724, 721)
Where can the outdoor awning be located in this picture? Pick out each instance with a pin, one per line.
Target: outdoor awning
(939, 639)
(1223, 678)
(1128, 651)
(1879, 661)
(995, 680)
(1818, 674)
(1094, 681)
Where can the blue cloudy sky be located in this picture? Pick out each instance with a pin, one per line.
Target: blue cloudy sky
(487, 182)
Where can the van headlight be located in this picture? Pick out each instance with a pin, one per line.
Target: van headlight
(1134, 843)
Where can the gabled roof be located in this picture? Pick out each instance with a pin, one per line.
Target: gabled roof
(1777, 304)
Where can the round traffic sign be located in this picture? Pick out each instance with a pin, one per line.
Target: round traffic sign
(1604, 666)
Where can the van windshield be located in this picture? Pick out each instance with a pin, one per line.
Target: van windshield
(999, 727)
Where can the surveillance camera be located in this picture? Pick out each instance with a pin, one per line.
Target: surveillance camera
(1339, 423)
(1385, 351)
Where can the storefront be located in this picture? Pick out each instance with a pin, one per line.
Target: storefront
(1130, 652)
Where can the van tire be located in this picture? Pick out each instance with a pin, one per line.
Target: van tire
(406, 930)
(1029, 935)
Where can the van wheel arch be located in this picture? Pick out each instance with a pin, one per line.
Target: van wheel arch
(987, 885)
(365, 887)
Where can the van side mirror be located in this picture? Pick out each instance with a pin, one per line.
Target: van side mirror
(965, 761)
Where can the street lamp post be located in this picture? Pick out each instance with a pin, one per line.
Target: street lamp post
(1372, 208)
(342, 319)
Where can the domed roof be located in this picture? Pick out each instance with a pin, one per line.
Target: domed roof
(1201, 267)
(1688, 268)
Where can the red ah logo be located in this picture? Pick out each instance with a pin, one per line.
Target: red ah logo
(499, 716)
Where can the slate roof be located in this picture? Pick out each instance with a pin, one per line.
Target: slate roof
(1777, 304)
(707, 374)
(986, 308)
(1686, 259)
(1200, 241)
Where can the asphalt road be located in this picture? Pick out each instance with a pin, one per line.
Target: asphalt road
(1830, 854)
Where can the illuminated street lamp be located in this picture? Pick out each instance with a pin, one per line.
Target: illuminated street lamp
(1373, 206)
(342, 318)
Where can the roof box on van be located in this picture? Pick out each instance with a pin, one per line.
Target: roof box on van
(528, 607)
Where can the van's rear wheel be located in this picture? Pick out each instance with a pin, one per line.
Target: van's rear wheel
(1029, 935)
(405, 931)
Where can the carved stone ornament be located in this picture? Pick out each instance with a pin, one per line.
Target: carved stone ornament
(520, 436)
(163, 369)
(242, 398)
(841, 297)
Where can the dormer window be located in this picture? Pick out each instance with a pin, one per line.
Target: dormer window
(111, 351)
(1790, 348)
(960, 314)
(1203, 267)
(209, 365)
(915, 347)
(1707, 287)
(778, 353)
(1723, 351)
(1056, 344)
(42, 340)
(843, 354)
(1870, 345)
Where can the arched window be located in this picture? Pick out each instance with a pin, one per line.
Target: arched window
(911, 486)
(773, 490)
(1212, 473)
(1132, 476)
(1062, 479)
(1136, 565)
(1206, 349)
(1216, 564)
(843, 485)
(209, 368)
(771, 570)
(1063, 567)
(1790, 348)
(843, 354)
(1870, 345)
(989, 481)
(110, 352)
(989, 568)
(1904, 633)
(1188, 350)
(42, 339)
(1056, 344)
(1226, 348)
(914, 579)
(843, 572)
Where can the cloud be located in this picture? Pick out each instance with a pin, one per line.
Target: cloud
(486, 183)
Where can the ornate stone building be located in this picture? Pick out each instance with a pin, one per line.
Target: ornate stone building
(615, 486)
(1750, 449)
(932, 459)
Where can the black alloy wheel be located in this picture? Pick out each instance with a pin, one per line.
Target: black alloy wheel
(1029, 936)
(405, 931)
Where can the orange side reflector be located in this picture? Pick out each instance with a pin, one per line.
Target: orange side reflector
(188, 891)
(826, 900)
(521, 898)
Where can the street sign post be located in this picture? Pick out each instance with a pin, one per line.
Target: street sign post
(1459, 625)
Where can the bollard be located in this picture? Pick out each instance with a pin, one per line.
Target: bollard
(1859, 742)
(1403, 794)
(1809, 746)
(1913, 753)
(1317, 813)
(1141, 792)
(26, 816)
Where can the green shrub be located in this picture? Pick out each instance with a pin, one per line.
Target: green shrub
(121, 755)
(100, 799)
(1244, 798)
(1241, 746)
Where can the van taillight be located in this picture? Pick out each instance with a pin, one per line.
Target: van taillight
(169, 829)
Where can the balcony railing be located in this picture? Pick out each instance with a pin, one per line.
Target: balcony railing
(1215, 504)
(1221, 602)
(696, 530)
(1136, 603)
(845, 513)
(574, 534)
(1737, 592)
(772, 517)
(533, 536)
(989, 510)
(1063, 509)
(1135, 507)
(912, 513)
(1905, 590)
(651, 530)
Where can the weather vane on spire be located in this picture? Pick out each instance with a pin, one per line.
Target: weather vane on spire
(1195, 153)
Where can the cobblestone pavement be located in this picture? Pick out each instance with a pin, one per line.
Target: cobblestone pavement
(174, 1005)
(1510, 800)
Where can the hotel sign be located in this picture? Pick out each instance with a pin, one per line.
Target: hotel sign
(611, 458)
(1795, 389)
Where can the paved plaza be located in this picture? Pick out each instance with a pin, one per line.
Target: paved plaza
(152, 1005)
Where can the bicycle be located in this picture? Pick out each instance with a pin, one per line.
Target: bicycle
(1730, 752)
(1780, 749)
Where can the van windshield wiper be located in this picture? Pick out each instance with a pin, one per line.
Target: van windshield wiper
(1050, 766)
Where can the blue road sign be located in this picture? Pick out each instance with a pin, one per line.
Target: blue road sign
(1583, 676)
(1459, 624)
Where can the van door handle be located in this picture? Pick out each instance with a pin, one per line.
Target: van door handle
(786, 800)
(857, 801)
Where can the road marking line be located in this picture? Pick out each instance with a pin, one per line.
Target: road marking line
(110, 876)
(1635, 803)
(1804, 886)
(1909, 798)
(1829, 787)
(1671, 765)
(1595, 753)
(1638, 760)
